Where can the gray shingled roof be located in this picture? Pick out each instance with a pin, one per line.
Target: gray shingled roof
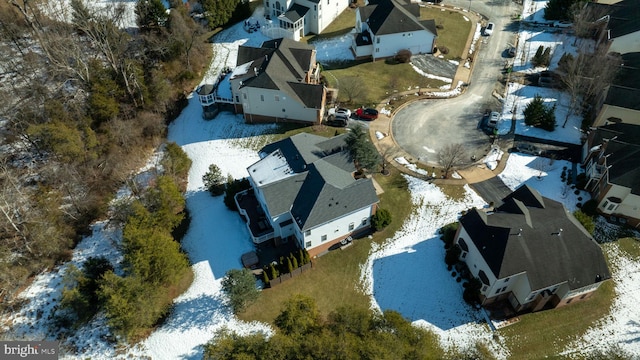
(296, 12)
(324, 188)
(392, 16)
(623, 153)
(624, 18)
(282, 64)
(511, 245)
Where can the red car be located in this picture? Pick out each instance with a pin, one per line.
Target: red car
(367, 113)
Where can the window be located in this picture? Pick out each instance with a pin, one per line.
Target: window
(377, 40)
(315, 7)
(261, 97)
(277, 97)
(611, 207)
(503, 289)
(365, 221)
(464, 254)
(267, 4)
(323, 238)
(506, 280)
(244, 96)
(352, 226)
(308, 244)
(377, 50)
(307, 233)
(237, 99)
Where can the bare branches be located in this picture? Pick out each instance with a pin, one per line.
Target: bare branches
(450, 156)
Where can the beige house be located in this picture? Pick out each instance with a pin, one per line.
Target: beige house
(612, 162)
(277, 82)
(530, 254)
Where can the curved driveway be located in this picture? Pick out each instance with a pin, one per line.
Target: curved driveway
(425, 126)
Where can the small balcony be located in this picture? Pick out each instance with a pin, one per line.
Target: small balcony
(256, 220)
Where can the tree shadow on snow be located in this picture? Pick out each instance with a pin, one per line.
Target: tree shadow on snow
(416, 283)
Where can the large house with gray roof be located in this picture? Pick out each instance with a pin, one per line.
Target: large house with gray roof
(384, 27)
(277, 82)
(294, 19)
(530, 254)
(304, 189)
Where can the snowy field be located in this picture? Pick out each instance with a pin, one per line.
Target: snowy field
(411, 263)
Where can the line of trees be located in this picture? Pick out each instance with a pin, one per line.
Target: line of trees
(154, 268)
(82, 102)
(346, 333)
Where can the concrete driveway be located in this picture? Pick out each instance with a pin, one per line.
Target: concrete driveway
(426, 126)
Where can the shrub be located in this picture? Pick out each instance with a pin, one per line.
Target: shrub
(590, 208)
(452, 255)
(585, 220)
(449, 232)
(443, 49)
(234, 187)
(240, 286)
(381, 219)
(403, 56)
(471, 294)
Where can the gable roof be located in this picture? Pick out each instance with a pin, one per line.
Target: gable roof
(623, 153)
(546, 242)
(281, 64)
(322, 187)
(623, 18)
(394, 16)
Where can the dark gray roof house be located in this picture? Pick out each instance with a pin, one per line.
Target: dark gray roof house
(395, 16)
(533, 235)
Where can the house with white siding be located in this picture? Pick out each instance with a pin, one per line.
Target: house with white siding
(530, 254)
(384, 27)
(305, 189)
(294, 19)
(277, 82)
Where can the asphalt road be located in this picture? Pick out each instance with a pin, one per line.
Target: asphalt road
(424, 127)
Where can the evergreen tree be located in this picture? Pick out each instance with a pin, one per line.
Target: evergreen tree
(265, 278)
(381, 219)
(150, 14)
(538, 115)
(289, 265)
(218, 12)
(213, 180)
(559, 9)
(240, 286)
(362, 151)
(546, 56)
(294, 262)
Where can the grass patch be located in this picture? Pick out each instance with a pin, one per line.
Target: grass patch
(378, 80)
(340, 26)
(546, 333)
(454, 192)
(334, 280)
(453, 30)
(630, 247)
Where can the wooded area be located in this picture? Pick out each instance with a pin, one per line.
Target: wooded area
(83, 102)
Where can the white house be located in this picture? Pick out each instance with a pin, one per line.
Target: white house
(384, 27)
(277, 82)
(304, 189)
(530, 254)
(294, 19)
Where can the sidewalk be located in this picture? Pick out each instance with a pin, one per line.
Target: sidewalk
(389, 148)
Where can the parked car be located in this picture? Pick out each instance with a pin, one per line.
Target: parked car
(562, 24)
(489, 29)
(493, 119)
(337, 120)
(367, 113)
(340, 112)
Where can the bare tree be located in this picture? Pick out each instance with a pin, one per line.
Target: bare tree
(450, 156)
(352, 88)
(586, 18)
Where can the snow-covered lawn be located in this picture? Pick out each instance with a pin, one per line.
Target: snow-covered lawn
(406, 274)
(519, 96)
